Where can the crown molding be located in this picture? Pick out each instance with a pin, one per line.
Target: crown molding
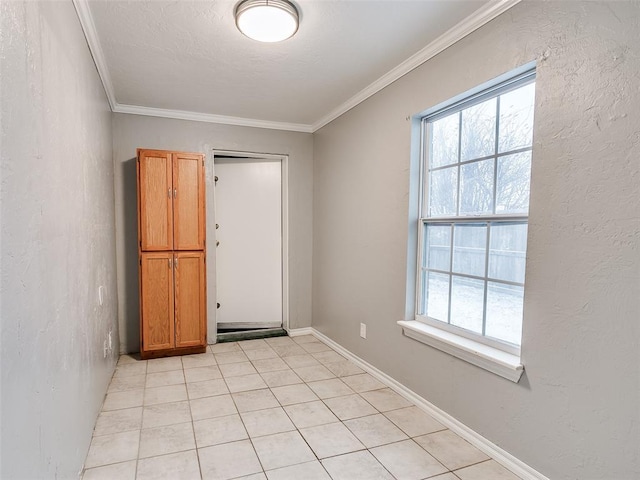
(89, 29)
(477, 19)
(210, 118)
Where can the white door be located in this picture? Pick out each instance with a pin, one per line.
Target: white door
(248, 199)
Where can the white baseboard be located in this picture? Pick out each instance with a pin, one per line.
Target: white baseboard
(501, 456)
(296, 332)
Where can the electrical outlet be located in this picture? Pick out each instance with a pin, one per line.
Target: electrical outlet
(110, 341)
(363, 330)
(101, 295)
(104, 347)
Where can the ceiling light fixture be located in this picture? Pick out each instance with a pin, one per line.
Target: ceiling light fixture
(267, 20)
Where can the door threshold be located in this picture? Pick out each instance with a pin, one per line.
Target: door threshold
(234, 336)
(236, 326)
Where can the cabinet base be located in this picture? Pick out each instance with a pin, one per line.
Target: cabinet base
(146, 355)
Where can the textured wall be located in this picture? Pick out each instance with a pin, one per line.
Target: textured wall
(575, 414)
(58, 242)
(132, 131)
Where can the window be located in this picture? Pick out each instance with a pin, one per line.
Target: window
(476, 170)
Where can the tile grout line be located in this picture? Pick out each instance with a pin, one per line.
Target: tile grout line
(193, 427)
(264, 471)
(101, 411)
(367, 449)
(269, 388)
(339, 421)
(144, 395)
(240, 416)
(343, 421)
(303, 437)
(380, 412)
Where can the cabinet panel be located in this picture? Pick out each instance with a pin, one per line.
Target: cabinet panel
(157, 300)
(190, 298)
(188, 204)
(156, 203)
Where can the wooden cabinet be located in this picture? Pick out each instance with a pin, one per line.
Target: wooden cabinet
(171, 194)
(171, 233)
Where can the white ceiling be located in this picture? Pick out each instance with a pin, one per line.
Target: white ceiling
(187, 56)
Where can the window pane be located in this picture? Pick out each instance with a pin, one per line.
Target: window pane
(512, 192)
(444, 141)
(504, 312)
(476, 188)
(437, 253)
(469, 249)
(437, 295)
(474, 211)
(516, 118)
(467, 299)
(507, 252)
(443, 191)
(479, 130)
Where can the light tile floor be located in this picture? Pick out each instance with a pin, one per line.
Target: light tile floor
(274, 409)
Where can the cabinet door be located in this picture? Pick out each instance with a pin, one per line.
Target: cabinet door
(155, 187)
(188, 204)
(157, 301)
(190, 298)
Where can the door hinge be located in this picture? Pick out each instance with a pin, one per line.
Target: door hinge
(140, 260)
(203, 162)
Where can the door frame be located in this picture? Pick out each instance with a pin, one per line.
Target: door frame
(211, 232)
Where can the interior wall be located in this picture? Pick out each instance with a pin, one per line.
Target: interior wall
(133, 131)
(575, 412)
(58, 242)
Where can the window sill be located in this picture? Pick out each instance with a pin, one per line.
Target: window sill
(496, 361)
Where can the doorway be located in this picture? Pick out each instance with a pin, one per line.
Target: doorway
(251, 242)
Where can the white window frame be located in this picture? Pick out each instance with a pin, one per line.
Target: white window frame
(492, 354)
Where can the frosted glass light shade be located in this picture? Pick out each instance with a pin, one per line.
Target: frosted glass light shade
(267, 20)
